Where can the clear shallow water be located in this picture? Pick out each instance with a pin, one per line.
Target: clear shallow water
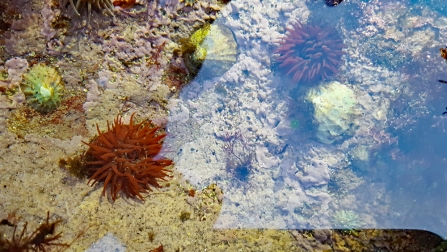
(252, 131)
(387, 174)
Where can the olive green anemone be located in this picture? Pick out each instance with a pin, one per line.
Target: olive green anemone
(43, 88)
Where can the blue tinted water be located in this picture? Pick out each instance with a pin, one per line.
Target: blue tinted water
(388, 171)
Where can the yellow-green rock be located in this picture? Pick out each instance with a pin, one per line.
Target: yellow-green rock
(334, 110)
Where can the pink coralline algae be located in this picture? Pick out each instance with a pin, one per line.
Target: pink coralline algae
(15, 67)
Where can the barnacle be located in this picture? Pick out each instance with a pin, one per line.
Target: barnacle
(43, 88)
(127, 158)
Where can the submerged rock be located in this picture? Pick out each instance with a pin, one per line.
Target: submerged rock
(334, 110)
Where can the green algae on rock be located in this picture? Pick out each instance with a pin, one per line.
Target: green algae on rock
(43, 88)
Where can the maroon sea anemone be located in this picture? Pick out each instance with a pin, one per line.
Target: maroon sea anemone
(126, 158)
(308, 52)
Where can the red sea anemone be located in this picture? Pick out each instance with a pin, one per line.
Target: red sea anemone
(126, 158)
(310, 52)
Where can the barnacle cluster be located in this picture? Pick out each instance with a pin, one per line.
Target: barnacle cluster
(310, 52)
(43, 88)
(127, 158)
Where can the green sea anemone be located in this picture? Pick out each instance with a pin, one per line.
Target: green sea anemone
(212, 49)
(43, 88)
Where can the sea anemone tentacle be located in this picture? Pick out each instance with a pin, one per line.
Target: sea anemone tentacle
(127, 158)
(309, 52)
